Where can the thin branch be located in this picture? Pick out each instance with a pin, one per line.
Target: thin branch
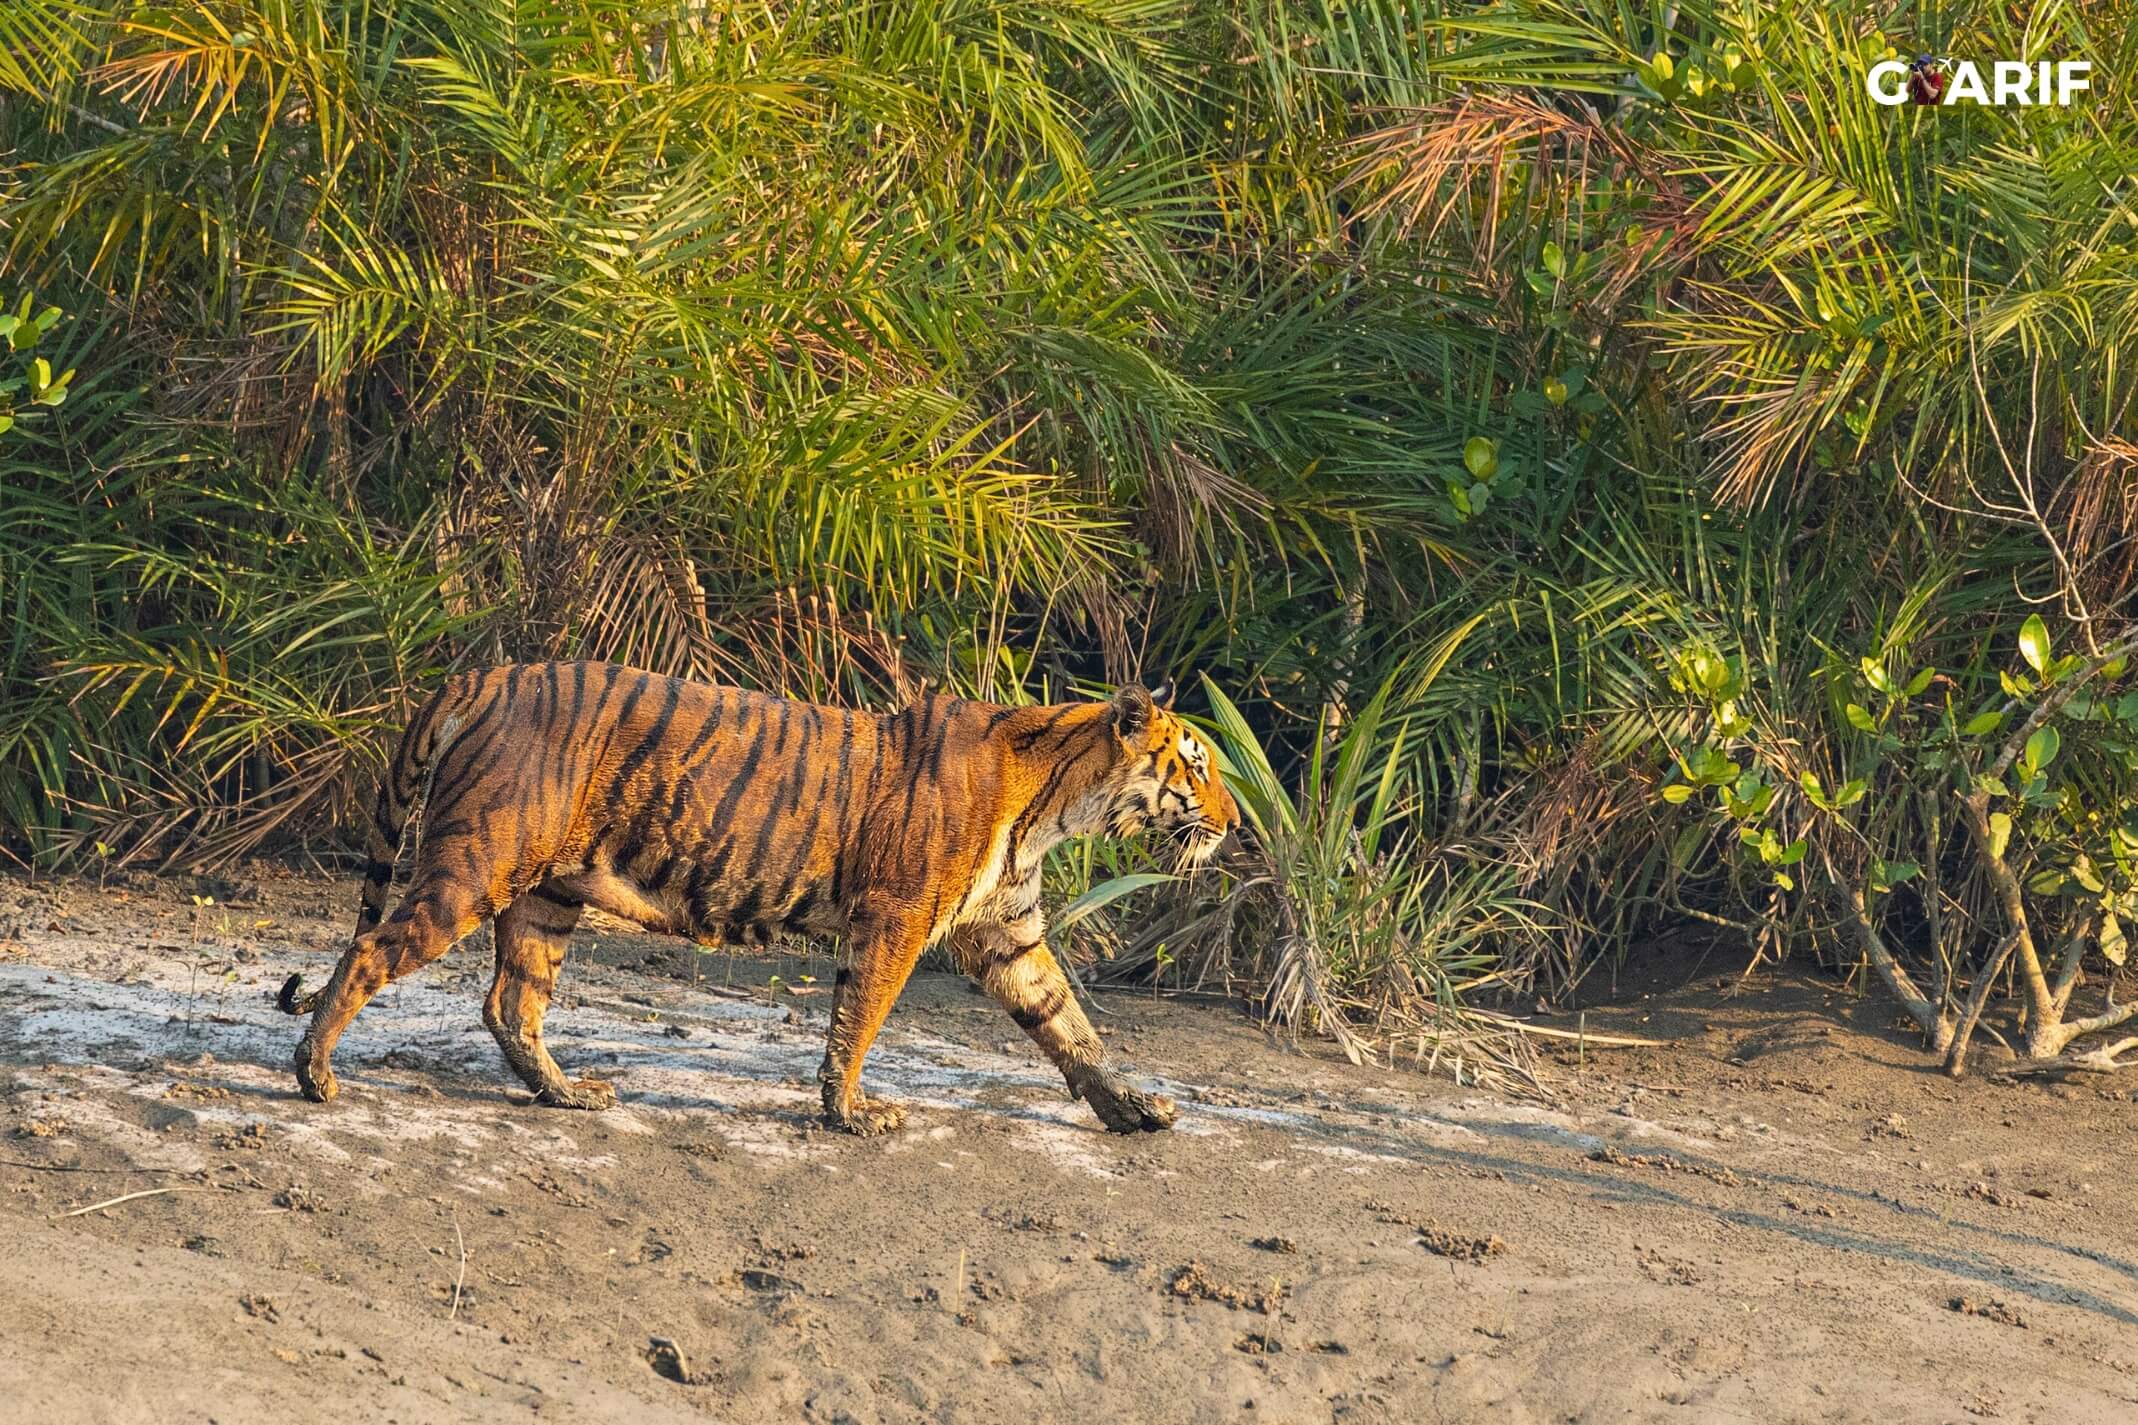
(461, 1279)
(1985, 984)
(2049, 706)
(127, 1197)
(1935, 1024)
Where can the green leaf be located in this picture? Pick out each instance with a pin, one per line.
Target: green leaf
(1860, 719)
(1480, 496)
(1786, 881)
(1677, 793)
(2000, 833)
(2114, 948)
(1984, 722)
(2042, 747)
(2034, 643)
(1105, 893)
(1919, 682)
(1687, 842)
(1813, 789)
(1851, 792)
(1481, 456)
(1874, 673)
(1894, 872)
(1554, 259)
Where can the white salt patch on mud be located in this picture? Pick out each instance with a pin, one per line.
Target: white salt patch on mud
(1354, 1155)
(1066, 1145)
(74, 1101)
(744, 1069)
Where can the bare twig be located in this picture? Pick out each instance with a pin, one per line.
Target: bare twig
(127, 1197)
(77, 1168)
(461, 1279)
(2103, 1060)
(1985, 982)
(1936, 1023)
(1601, 1041)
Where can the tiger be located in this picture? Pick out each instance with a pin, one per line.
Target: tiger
(731, 816)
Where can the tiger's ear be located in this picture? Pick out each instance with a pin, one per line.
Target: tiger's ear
(1162, 695)
(1130, 712)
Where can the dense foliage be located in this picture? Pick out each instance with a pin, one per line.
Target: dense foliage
(1608, 461)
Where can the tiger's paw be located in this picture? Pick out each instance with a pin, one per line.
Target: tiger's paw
(316, 1079)
(1124, 1109)
(590, 1094)
(867, 1117)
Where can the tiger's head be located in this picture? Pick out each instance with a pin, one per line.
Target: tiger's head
(1166, 777)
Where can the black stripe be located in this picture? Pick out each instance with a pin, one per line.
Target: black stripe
(724, 809)
(942, 737)
(998, 958)
(742, 917)
(1024, 741)
(793, 793)
(1052, 1003)
(1038, 803)
(650, 743)
(687, 763)
(915, 765)
(470, 762)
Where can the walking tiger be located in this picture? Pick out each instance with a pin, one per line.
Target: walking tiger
(726, 816)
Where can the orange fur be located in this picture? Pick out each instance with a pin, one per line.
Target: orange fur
(728, 815)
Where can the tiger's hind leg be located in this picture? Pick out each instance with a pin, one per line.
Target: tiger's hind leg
(532, 936)
(1014, 965)
(439, 911)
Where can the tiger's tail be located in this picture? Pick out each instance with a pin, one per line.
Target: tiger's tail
(403, 781)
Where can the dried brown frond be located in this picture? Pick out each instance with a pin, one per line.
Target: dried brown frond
(1428, 164)
(643, 605)
(806, 646)
(1186, 493)
(2097, 509)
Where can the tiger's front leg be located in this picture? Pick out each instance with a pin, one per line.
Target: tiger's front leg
(1012, 962)
(882, 959)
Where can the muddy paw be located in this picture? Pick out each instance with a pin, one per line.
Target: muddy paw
(1124, 1109)
(317, 1080)
(592, 1094)
(868, 1117)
